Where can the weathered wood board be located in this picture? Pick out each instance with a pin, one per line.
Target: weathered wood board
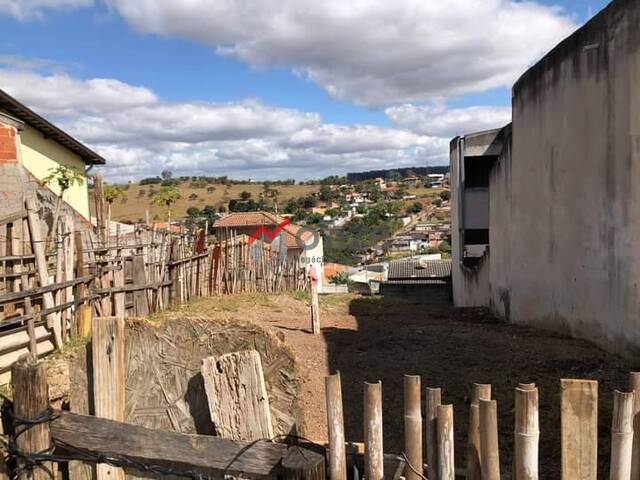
(237, 396)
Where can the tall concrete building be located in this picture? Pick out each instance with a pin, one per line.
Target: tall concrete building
(546, 210)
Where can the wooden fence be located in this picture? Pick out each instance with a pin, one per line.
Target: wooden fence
(57, 437)
(50, 288)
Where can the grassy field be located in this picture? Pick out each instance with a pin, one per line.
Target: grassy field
(138, 199)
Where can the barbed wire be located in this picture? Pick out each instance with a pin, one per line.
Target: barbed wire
(28, 462)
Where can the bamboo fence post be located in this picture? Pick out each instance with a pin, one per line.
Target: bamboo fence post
(446, 454)
(83, 311)
(579, 429)
(481, 391)
(373, 450)
(30, 402)
(489, 450)
(433, 399)
(59, 277)
(107, 346)
(621, 436)
(69, 252)
(335, 424)
(413, 427)
(526, 435)
(634, 383)
(41, 266)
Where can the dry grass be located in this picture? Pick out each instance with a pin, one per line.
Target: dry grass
(135, 204)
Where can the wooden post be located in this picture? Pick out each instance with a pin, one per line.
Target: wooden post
(479, 392)
(335, 424)
(489, 451)
(118, 284)
(140, 299)
(373, 450)
(315, 308)
(579, 423)
(621, 436)
(526, 436)
(413, 426)
(30, 402)
(41, 266)
(83, 312)
(303, 464)
(433, 399)
(634, 384)
(107, 347)
(446, 454)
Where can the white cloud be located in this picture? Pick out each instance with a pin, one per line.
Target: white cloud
(35, 9)
(140, 134)
(374, 52)
(440, 121)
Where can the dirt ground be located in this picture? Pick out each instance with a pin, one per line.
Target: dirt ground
(370, 339)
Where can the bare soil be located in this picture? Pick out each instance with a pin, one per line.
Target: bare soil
(370, 339)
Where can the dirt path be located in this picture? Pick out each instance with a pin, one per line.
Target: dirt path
(371, 339)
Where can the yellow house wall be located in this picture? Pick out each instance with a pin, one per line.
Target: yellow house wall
(39, 155)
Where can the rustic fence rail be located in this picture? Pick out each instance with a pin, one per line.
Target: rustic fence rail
(50, 289)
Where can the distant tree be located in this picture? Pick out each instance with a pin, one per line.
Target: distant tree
(167, 197)
(211, 189)
(193, 211)
(415, 207)
(111, 194)
(444, 247)
(150, 181)
(166, 174)
(244, 195)
(445, 195)
(193, 196)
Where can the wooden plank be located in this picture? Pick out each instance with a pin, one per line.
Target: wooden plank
(107, 347)
(140, 299)
(579, 423)
(38, 245)
(210, 456)
(237, 395)
(30, 402)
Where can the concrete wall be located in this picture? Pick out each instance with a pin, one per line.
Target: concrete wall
(39, 155)
(575, 205)
(564, 201)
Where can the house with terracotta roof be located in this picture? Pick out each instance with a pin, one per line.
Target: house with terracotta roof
(302, 243)
(30, 148)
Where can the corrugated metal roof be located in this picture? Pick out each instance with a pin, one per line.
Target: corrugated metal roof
(426, 269)
(28, 116)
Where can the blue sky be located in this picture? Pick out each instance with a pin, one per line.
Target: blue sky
(351, 88)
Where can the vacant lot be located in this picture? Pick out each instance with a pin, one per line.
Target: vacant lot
(371, 339)
(138, 198)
